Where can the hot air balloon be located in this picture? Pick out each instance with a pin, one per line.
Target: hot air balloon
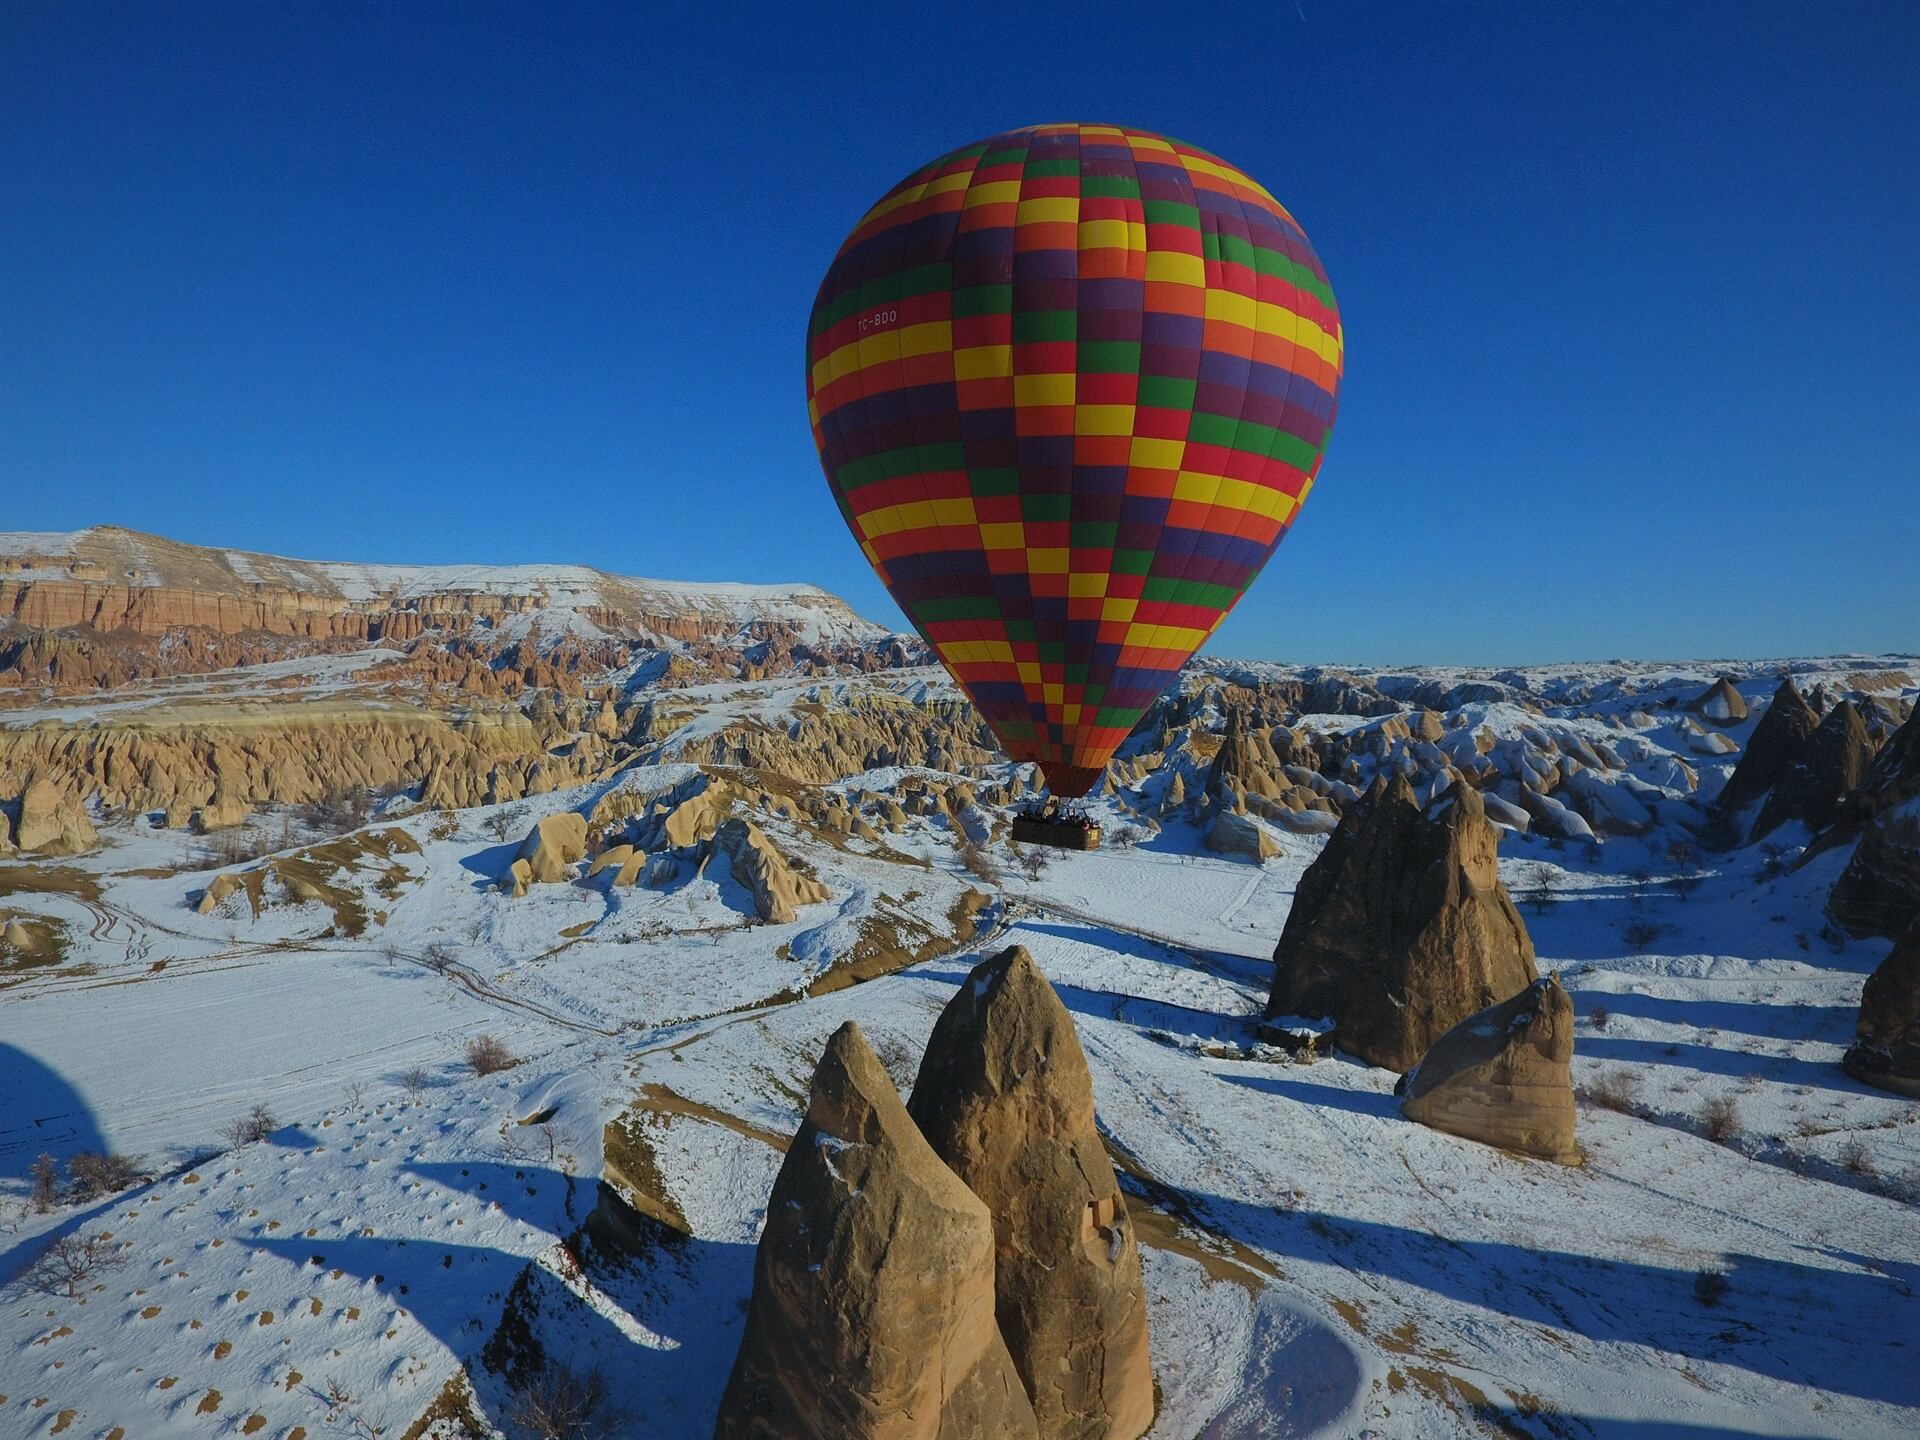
(1070, 385)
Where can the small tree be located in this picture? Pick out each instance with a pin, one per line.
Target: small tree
(499, 824)
(1033, 862)
(45, 1174)
(559, 1403)
(94, 1175)
(416, 1082)
(1719, 1119)
(257, 1124)
(66, 1265)
(488, 1055)
(1640, 934)
(1710, 1285)
(1538, 880)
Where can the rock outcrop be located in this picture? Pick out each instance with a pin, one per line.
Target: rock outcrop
(1245, 764)
(1886, 1045)
(1503, 1076)
(1401, 928)
(109, 583)
(52, 822)
(1005, 1098)
(778, 889)
(1879, 891)
(1829, 765)
(624, 861)
(1232, 834)
(1782, 730)
(1720, 703)
(872, 1315)
(552, 846)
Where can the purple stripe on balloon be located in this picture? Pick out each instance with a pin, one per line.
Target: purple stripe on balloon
(1046, 265)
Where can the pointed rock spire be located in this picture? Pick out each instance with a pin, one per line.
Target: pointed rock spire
(1401, 929)
(1005, 1097)
(1783, 729)
(872, 1315)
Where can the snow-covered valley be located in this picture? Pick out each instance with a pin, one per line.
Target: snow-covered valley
(1737, 1253)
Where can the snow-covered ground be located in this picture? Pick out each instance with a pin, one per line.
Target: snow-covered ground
(1317, 1264)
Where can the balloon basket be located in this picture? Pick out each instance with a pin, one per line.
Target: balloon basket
(1061, 834)
(1051, 827)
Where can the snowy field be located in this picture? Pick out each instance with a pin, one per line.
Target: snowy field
(1317, 1264)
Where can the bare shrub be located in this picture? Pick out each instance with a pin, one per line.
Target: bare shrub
(94, 1175)
(1719, 1119)
(1854, 1156)
(257, 1124)
(440, 956)
(1599, 1017)
(236, 845)
(45, 1177)
(488, 1055)
(1032, 860)
(975, 860)
(1537, 882)
(66, 1265)
(416, 1082)
(1686, 883)
(1710, 1285)
(1641, 934)
(342, 809)
(1617, 1090)
(559, 1403)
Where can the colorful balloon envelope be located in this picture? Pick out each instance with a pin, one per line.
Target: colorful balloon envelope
(1070, 386)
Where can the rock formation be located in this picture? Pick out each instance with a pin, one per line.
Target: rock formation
(1782, 730)
(223, 812)
(552, 846)
(872, 1315)
(1401, 928)
(1720, 703)
(112, 584)
(1886, 1045)
(52, 822)
(778, 890)
(1232, 834)
(1243, 765)
(1879, 891)
(624, 861)
(1822, 772)
(1005, 1098)
(1503, 1076)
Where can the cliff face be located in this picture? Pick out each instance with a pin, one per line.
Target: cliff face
(65, 596)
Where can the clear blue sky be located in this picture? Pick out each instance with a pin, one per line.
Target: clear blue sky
(1630, 291)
